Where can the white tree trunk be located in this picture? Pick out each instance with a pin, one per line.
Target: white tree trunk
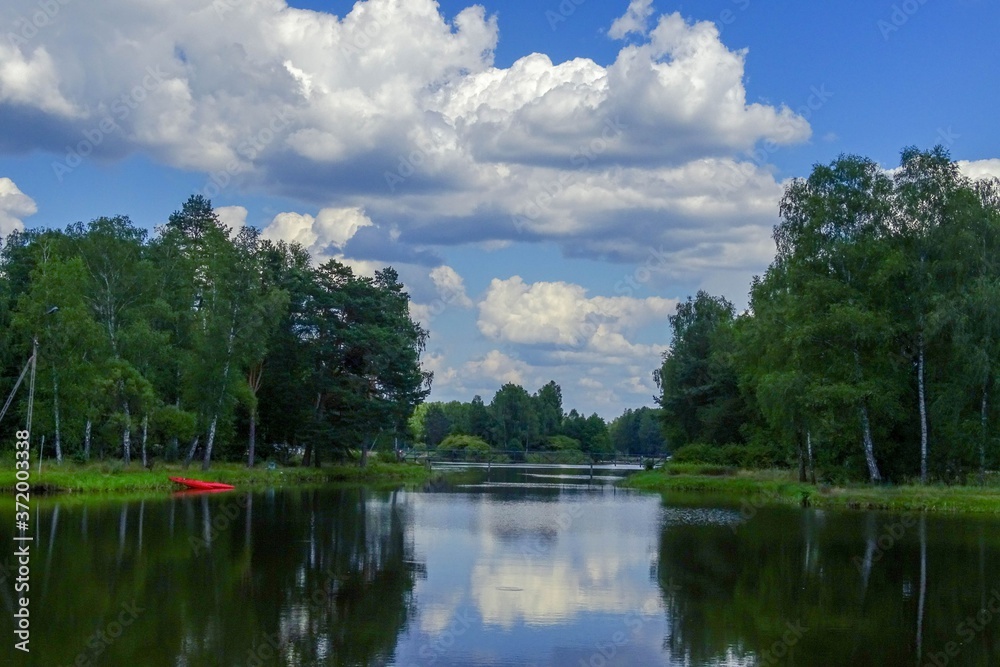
(207, 461)
(209, 443)
(127, 436)
(866, 429)
(55, 405)
(809, 454)
(869, 445)
(921, 394)
(983, 411)
(191, 451)
(86, 442)
(145, 429)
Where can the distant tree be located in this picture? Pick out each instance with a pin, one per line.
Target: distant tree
(480, 421)
(548, 408)
(437, 426)
(700, 396)
(515, 421)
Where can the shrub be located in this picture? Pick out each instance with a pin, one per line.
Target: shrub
(566, 456)
(697, 453)
(562, 443)
(735, 456)
(731, 455)
(761, 456)
(465, 446)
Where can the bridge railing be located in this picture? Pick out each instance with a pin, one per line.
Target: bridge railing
(520, 456)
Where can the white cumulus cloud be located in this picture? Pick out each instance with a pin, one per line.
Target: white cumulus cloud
(14, 206)
(633, 21)
(398, 110)
(323, 235)
(561, 315)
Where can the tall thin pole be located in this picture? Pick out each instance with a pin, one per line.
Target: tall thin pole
(31, 383)
(31, 399)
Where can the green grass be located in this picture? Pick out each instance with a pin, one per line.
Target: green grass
(781, 487)
(113, 477)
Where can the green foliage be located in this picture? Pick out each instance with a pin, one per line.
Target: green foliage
(697, 453)
(561, 443)
(751, 456)
(466, 448)
(564, 457)
(869, 347)
(202, 333)
(700, 398)
(638, 433)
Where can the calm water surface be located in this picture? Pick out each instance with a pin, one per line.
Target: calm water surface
(514, 566)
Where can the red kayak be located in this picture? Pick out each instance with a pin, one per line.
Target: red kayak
(182, 493)
(202, 486)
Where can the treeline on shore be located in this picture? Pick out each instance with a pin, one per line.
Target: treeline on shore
(201, 341)
(524, 426)
(869, 349)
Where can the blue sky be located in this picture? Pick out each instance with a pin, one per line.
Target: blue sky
(549, 178)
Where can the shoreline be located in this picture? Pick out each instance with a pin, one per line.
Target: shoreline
(105, 479)
(773, 487)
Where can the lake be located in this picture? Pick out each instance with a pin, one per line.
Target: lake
(513, 566)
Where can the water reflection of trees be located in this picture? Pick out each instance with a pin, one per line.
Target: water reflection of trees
(729, 595)
(326, 575)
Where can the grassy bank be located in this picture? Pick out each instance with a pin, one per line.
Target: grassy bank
(113, 477)
(781, 487)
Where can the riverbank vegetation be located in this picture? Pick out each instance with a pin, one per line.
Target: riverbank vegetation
(868, 351)
(757, 488)
(114, 477)
(202, 340)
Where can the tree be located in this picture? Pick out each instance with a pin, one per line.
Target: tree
(366, 357)
(927, 188)
(480, 421)
(700, 397)
(437, 426)
(54, 311)
(548, 407)
(515, 421)
(834, 240)
(286, 394)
